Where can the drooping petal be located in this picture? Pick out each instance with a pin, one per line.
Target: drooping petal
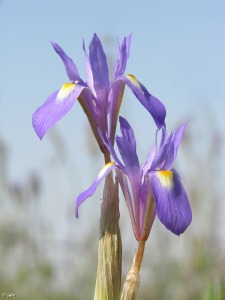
(99, 68)
(122, 57)
(171, 201)
(151, 103)
(57, 105)
(71, 68)
(91, 190)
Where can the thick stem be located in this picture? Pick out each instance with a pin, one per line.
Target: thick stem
(132, 281)
(108, 281)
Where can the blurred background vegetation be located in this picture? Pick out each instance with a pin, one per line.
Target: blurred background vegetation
(34, 264)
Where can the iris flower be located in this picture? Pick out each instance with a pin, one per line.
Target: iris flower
(99, 97)
(153, 188)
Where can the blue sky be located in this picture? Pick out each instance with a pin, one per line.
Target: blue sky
(177, 51)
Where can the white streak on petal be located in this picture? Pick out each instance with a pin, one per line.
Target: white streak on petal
(166, 179)
(134, 81)
(65, 91)
(104, 169)
(91, 190)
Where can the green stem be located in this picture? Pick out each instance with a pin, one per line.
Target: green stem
(108, 280)
(132, 281)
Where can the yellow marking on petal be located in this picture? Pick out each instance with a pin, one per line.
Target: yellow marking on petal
(104, 169)
(166, 178)
(65, 91)
(134, 80)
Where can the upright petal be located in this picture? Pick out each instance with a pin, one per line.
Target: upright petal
(147, 165)
(167, 152)
(176, 137)
(115, 99)
(87, 102)
(128, 198)
(99, 68)
(164, 157)
(127, 148)
(147, 208)
(164, 135)
(71, 68)
(57, 105)
(89, 75)
(171, 201)
(122, 57)
(151, 103)
(108, 144)
(91, 190)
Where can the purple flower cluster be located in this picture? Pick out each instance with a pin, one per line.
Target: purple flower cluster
(151, 189)
(99, 97)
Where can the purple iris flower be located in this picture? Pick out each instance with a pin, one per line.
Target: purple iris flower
(99, 97)
(149, 189)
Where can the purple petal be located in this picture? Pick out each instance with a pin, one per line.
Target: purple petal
(71, 68)
(167, 152)
(108, 143)
(88, 70)
(127, 196)
(115, 99)
(122, 57)
(171, 201)
(127, 148)
(87, 102)
(91, 190)
(151, 103)
(57, 105)
(146, 167)
(164, 135)
(176, 137)
(99, 68)
(164, 157)
(147, 208)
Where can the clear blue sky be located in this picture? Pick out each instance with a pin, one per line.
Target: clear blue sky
(177, 51)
